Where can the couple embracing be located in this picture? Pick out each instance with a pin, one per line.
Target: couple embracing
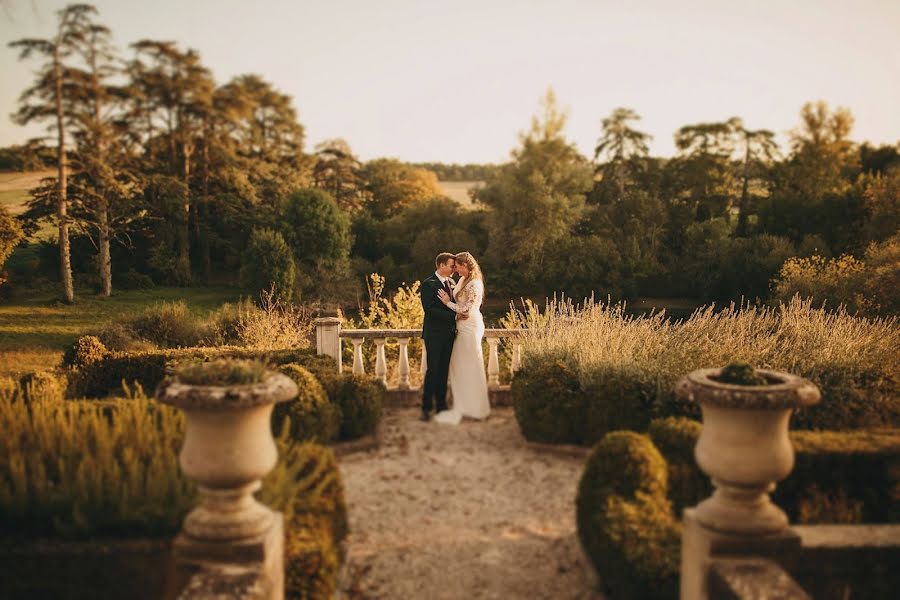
(452, 332)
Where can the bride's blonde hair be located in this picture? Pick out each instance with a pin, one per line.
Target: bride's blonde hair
(474, 269)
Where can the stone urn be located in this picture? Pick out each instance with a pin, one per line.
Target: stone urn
(228, 448)
(744, 446)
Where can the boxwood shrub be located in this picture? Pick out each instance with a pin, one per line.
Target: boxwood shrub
(625, 522)
(311, 415)
(838, 476)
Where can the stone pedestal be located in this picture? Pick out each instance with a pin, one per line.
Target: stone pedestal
(700, 545)
(251, 568)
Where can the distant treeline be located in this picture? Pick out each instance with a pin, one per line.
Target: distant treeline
(26, 157)
(454, 172)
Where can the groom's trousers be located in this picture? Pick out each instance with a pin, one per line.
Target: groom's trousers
(437, 351)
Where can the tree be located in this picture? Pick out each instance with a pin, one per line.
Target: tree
(172, 95)
(392, 186)
(620, 146)
(537, 199)
(267, 264)
(809, 188)
(103, 178)
(317, 231)
(703, 167)
(757, 149)
(339, 172)
(46, 100)
(10, 236)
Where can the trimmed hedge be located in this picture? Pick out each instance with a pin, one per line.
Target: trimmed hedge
(625, 522)
(838, 477)
(555, 405)
(549, 402)
(311, 415)
(105, 376)
(558, 402)
(360, 398)
(308, 489)
(86, 350)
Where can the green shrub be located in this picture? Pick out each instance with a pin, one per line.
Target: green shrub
(168, 325)
(617, 397)
(221, 371)
(267, 263)
(148, 368)
(44, 386)
(549, 402)
(740, 373)
(311, 563)
(625, 522)
(133, 280)
(853, 397)
(119, 337)
(311, 415)
(86, 350)
(80, 470)
(306, 486)
(837, 475)
(106, 376)
(360, 398)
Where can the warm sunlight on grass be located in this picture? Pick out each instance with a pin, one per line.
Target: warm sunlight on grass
(35, 328)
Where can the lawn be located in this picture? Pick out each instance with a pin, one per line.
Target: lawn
(35, 327)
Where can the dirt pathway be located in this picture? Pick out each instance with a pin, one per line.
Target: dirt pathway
(462, 512)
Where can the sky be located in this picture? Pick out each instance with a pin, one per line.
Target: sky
(458, 80)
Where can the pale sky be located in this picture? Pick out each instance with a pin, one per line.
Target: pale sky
(456, 80)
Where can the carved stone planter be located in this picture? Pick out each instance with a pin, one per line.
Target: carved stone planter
(744, 446)
(228, 448)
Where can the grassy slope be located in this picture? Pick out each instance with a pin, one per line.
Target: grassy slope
(459, 191)
(35, 328)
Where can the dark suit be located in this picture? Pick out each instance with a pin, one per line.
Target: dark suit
(438, 331)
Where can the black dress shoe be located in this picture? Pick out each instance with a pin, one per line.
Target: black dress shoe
(425, 417)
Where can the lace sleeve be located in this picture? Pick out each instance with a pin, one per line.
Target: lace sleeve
(471, 297)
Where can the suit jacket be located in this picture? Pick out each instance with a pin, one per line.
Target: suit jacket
(439, 319)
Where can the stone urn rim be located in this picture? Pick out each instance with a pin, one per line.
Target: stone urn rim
(783, 392)
(274, 388)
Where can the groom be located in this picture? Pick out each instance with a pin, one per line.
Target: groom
(438, 331)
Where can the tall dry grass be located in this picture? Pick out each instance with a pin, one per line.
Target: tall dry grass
(793, 337)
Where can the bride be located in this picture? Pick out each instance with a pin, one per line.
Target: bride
(467, 379)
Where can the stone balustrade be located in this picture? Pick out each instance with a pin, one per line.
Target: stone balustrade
(330, 334)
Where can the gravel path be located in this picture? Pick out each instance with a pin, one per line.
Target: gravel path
(466, 511)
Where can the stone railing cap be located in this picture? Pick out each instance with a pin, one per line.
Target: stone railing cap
(276, 387)
(329, 320)
(786, 391)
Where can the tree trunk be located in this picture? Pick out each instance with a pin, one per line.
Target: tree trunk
(184, 228)
(202, 213)
(745, 193)
(105, 261)
(65, 265)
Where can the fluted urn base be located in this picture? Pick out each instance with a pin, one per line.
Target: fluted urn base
(741, 510)
(231, 514)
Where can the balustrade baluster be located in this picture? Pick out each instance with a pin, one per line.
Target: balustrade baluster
(404, 363)
(493, 363)
(380, 361)
(359, 367)
(516, 361)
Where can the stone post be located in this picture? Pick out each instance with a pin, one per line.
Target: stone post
(404, 363)
(328, 338)
(744, 447)
(229, 538)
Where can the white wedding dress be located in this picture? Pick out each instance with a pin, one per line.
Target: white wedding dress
(468, 382)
